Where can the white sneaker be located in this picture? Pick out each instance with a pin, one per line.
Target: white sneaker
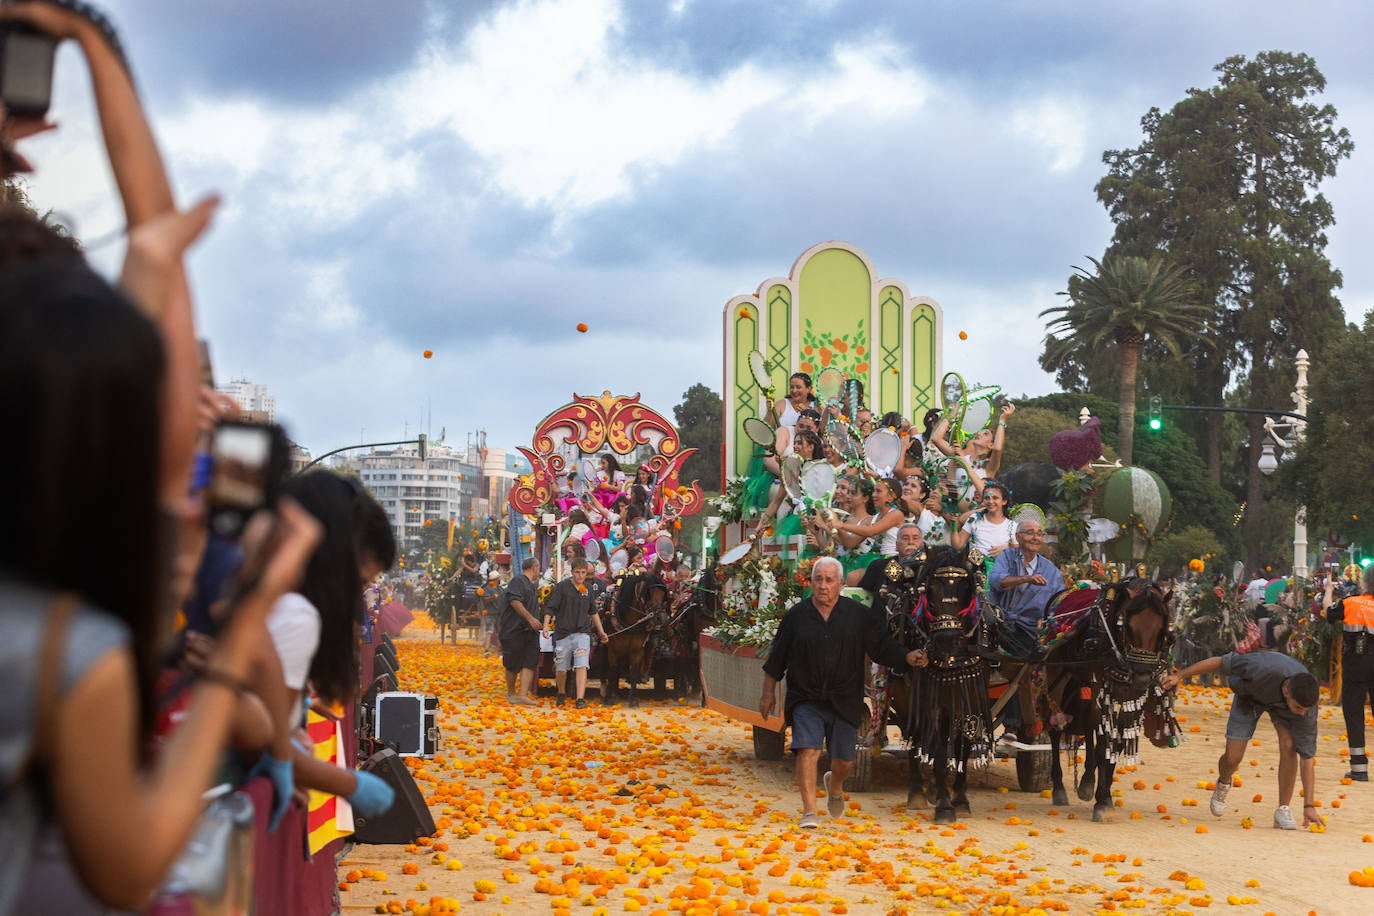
(1283, 818)
(1219, 798)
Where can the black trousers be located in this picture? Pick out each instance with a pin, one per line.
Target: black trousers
(1357, 690)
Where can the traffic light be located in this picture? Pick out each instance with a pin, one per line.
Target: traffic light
(708, 541)
(1156, 414)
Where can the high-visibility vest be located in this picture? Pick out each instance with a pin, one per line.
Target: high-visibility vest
(1358, 614)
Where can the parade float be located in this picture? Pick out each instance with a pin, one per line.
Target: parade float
(577, 456)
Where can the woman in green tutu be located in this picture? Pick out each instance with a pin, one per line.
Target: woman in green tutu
(855, 496)
(890, 516)
(807, 445)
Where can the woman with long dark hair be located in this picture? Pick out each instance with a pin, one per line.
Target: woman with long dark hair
(83, 583)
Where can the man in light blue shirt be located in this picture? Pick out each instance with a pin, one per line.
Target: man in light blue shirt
(1022, 582)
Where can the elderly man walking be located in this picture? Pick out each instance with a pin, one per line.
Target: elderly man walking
(820, 649)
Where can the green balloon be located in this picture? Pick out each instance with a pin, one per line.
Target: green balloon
(1138, 492)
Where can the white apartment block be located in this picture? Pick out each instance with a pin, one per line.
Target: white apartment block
(251, 397)
(414, 491)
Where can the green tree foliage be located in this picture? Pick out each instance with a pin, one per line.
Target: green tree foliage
(1172, 552)
(1226, 183)
(1029, 432)
(1331, 468)
(700, 420)
(1115, 309)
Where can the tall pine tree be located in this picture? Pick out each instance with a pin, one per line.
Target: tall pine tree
(1226, 183)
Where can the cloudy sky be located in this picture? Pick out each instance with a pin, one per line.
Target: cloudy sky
(475, 178)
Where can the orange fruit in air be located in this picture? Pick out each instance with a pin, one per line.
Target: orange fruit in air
(581, 327)
(429, 354)
(963, 335)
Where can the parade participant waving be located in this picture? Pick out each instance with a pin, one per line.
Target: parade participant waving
(989, 530)
(800, 396)
(890, 516)
(808, 447)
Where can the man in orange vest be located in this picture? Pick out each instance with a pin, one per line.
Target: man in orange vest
(1355, 614)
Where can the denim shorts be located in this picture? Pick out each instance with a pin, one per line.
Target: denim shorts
(573, 651)
(1240, 725)
(817, 725)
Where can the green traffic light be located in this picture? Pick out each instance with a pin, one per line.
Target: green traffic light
(1365, 561)
(1156, 423)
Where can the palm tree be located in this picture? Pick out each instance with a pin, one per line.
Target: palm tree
(1124, 302)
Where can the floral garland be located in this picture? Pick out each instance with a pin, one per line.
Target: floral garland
(1211, 617)
(756, 593)
(730, 504)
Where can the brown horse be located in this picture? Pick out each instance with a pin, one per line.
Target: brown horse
(1106, 650)
(636, 608)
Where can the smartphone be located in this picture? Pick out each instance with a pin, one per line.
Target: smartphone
(26, 65)
(248, 462)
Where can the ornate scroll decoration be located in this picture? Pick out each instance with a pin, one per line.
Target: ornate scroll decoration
(618, 421)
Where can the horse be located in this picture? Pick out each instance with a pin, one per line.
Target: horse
(699, 607)
(948, 719)
(1106, 650)
(637, 611)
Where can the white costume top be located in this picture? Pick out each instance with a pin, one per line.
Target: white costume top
(984, 535)
(789, 414)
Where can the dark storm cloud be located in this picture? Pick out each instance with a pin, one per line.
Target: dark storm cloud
(938, 197)
(298, 52)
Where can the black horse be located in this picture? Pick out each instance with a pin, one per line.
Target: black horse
(696, 610)
(1106, 650)
(948, 720)
(636, 612)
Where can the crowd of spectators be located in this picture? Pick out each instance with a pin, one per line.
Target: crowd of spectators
(149, 659)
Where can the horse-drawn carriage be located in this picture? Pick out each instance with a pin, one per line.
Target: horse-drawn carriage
(876, 349)
(606, 487)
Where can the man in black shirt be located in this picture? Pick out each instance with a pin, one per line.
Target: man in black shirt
(820, 648)
(519, 629)
(573, 618)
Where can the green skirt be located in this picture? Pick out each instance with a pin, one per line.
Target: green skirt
(758, 485)
(853, 561)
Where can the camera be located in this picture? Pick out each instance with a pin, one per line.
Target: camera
(26, 65)
(248, 462)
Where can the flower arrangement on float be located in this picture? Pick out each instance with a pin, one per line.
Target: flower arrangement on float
(1210, 616)
(756, 592)
(729, 505)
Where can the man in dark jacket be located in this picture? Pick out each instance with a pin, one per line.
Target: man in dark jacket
(518, 629)
(820, 648)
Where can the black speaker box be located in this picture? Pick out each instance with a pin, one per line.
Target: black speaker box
(387, 652)
(380, 666)
(408, 818)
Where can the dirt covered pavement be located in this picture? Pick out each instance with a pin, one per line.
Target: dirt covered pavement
(664, 810)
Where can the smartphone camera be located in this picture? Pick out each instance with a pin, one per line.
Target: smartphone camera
(248, 465)
(26, 65)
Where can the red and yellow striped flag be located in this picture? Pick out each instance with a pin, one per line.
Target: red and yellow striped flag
(329, 817)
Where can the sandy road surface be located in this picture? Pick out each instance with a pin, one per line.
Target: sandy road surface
(663, 808)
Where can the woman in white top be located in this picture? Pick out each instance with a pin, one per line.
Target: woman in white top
(799, 397)
(923, 508)
(890, 517)
(989, 531)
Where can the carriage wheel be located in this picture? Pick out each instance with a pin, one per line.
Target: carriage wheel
(768, 744)
(1033, 770)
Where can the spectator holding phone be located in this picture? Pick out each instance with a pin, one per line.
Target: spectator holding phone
(81, 370)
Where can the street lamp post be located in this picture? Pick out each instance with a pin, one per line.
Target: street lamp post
(1275, 432)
